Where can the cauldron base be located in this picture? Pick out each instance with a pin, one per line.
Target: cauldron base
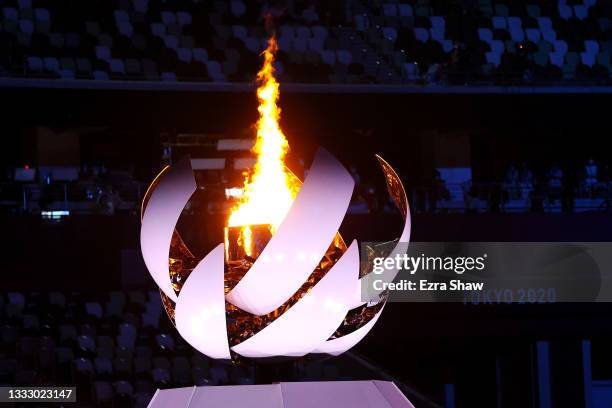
(320, 394)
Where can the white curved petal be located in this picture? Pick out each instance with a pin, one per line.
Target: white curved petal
(200, 308)
(342, 344)
(300, 241)
(161, 214)
(311, 321)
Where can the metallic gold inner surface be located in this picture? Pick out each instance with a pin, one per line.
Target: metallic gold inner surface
(395, 188)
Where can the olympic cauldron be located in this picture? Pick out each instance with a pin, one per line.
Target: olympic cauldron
(297, 292)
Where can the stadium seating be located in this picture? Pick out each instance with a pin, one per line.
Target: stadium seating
(354, 42)
(109, 357)
(114, 359)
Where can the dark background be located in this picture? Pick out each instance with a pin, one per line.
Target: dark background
(486, 350)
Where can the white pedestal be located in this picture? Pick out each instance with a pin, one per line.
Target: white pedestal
(323, 394)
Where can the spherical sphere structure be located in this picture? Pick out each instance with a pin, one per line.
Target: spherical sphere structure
(301, 294)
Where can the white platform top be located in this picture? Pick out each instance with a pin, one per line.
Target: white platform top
(324, 394)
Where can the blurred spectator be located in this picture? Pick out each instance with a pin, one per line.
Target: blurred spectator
(433, 74)
(590, 171)
(537, 196)
(470, 196)
(109, 201)
(512, 182)
(525, 177)
(555, 175)
(457, 66)
(525, 181)
(438, 191)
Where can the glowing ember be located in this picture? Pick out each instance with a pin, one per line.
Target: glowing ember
(268, 188)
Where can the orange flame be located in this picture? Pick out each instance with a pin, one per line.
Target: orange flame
(268, 189)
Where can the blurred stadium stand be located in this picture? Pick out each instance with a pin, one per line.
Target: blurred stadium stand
(119, 347)
(383, 42)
